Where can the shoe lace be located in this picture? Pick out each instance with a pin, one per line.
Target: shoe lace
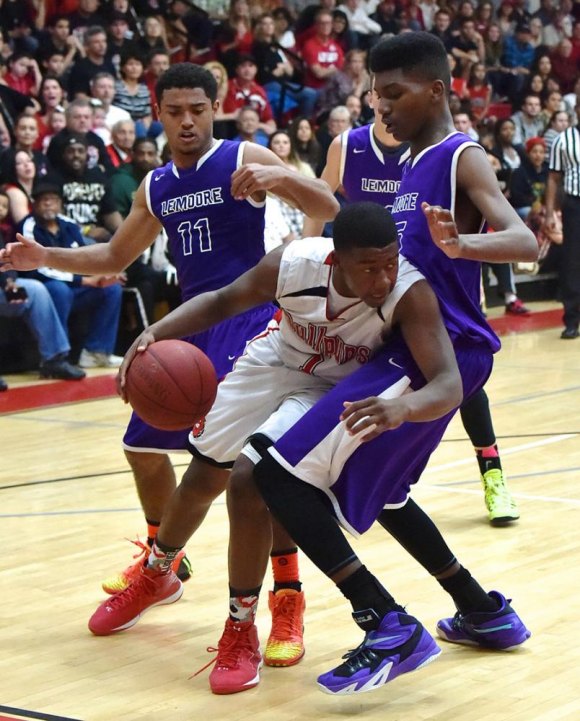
(495, 488)
(285, 620)
(362, 655)
(144, 547)
(227, 653)
(141, 586)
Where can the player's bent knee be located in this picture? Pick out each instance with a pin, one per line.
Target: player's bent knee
(241, 486)
(203, 480)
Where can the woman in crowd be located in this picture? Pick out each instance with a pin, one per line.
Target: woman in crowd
(505, 18)
(280, 144)
(304, 142)
(559, 122)
(277, 74)
(224, 123)
(283, 28)
(510, 155)
(484, 17)
(133, 95)
(19, 172)
(52, 95)
(154, 36)
(479, 91)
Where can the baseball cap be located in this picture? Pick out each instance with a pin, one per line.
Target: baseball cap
(76, 139)
(46, 187)
(245, 58)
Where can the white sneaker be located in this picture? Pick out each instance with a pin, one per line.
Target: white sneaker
(95, 359)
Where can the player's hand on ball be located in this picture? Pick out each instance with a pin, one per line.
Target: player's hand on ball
(443, 230)
(138, 346)
(372, 416)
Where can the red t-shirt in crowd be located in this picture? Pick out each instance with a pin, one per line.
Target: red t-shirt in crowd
(253, 96)
(327, 54)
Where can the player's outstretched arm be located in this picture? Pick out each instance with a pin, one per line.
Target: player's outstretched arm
(264, 171)
(135, 235)
(331, 174)
(511, 240)
(255, 287)
(419, 318)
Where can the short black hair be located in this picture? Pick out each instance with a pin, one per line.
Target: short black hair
(144, 140)
(187, 75)
(420, 53)
(363, 225)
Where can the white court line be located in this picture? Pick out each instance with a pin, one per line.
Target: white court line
(526, 496)
(504, 452)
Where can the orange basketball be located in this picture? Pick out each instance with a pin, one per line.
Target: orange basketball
(171, 385)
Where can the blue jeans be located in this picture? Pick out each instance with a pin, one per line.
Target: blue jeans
(102, 304)
(304, 98)
(39, 313)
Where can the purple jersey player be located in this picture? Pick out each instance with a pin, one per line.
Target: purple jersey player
(367, 163)
(315, 473)
(210, 200)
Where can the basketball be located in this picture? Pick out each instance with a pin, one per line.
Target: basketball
(171, 385)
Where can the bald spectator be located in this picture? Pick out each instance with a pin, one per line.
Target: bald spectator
(338, 121)
(565, 65)
(122, 140)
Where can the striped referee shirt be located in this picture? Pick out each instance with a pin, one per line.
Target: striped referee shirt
(565, 158)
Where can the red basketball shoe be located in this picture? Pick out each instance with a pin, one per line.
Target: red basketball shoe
(124, 609)
(238, 663)
(122, 580)
(285, 646)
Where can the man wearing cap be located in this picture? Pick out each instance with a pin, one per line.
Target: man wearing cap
(87, 197)
(79, 119)
(29, 300)
(243, 91)
(518, 56)
(97, 295)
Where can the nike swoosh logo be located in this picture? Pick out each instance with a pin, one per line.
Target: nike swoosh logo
(392, 362)
(358, 150)
(505, 627)
(231, 357)
(158, 177)
(386, 639)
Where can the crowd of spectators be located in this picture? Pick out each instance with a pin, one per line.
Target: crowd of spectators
(77, 83)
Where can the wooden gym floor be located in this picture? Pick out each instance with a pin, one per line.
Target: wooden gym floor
(68, 502)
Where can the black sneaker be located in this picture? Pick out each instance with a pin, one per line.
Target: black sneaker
(569, 333)
(61, 369)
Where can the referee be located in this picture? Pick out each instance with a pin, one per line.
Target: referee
(564, 169)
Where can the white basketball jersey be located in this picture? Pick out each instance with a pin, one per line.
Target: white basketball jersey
(310, 338)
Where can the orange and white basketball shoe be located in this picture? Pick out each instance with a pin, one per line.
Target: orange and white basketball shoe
(120, 581)
(285, 646)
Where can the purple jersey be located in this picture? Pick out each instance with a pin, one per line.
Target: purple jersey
(431, 178)
(213, 239)
(370, 171)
